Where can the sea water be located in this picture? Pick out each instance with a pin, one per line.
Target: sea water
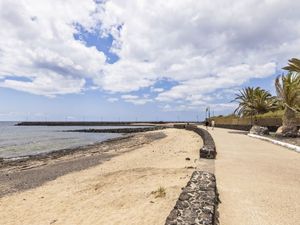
(19, 141)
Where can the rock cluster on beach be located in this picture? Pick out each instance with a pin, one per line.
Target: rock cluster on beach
(197, 203)
(118, 130)
(285, 131)
(259, 130)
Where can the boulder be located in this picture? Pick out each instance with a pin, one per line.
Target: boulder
(259, 130)
(285, 131)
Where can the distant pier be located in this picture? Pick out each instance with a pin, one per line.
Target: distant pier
(78, 123)
(97, 123)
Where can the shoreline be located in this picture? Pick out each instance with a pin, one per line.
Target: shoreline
(9, 161)
(123, 133)
(119, 191)
(34, 170)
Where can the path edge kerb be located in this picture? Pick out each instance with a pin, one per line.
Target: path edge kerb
(198, 202)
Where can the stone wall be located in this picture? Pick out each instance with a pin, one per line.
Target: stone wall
(245, 123)
(243, 127)
(208, 150)
(234, 126)
(180, 126)
(197, 203)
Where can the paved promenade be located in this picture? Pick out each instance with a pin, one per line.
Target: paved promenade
(258, 182)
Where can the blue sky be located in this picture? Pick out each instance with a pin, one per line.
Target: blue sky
(139, 60)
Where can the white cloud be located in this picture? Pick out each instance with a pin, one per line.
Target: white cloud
(157, 89)
(136, 99)
(129, 97)
(112, 99)
(141, 101)
(37, 43)
(167, 107)
(202, 46)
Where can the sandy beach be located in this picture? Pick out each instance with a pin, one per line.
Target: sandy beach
(117, 191)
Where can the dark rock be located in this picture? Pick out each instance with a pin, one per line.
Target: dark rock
(118, 130)
(53, 221)
(187, 158)
(197, 204)
(184, 196)
(180, 126)
(191, 167)
(285, 131)
(259, 130)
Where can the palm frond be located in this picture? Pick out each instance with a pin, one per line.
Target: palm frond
(288, 89)
(253, 101)
(293, 65)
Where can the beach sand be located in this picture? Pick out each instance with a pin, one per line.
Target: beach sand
(115, 192)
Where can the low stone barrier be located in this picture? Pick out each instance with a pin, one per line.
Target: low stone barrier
(180, 126)
(243, 127)
(208, 150)
(197, 203)
(234, 126)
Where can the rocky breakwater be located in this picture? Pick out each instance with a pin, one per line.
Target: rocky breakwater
(118, 130)
(197, 203)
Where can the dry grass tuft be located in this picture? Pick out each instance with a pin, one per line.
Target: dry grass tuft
(159, 193)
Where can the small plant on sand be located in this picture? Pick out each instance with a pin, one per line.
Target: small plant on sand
(159, 193)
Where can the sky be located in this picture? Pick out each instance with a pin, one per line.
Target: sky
(138, 59)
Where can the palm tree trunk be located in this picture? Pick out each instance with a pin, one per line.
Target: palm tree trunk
(289, 125)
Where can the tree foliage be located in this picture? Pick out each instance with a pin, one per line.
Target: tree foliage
(293, 65)
(288, 90)
(253, 101)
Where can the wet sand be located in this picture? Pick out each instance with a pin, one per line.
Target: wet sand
(35, 170)
(118, 191)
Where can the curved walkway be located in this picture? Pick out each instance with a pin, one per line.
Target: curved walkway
(258, 182)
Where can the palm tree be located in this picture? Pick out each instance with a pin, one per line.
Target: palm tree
(288, 92)
(293, 65)
(253, 101)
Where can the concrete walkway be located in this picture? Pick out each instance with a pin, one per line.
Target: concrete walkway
(258, 182)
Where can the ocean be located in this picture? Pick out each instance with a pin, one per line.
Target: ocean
(20, 141)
